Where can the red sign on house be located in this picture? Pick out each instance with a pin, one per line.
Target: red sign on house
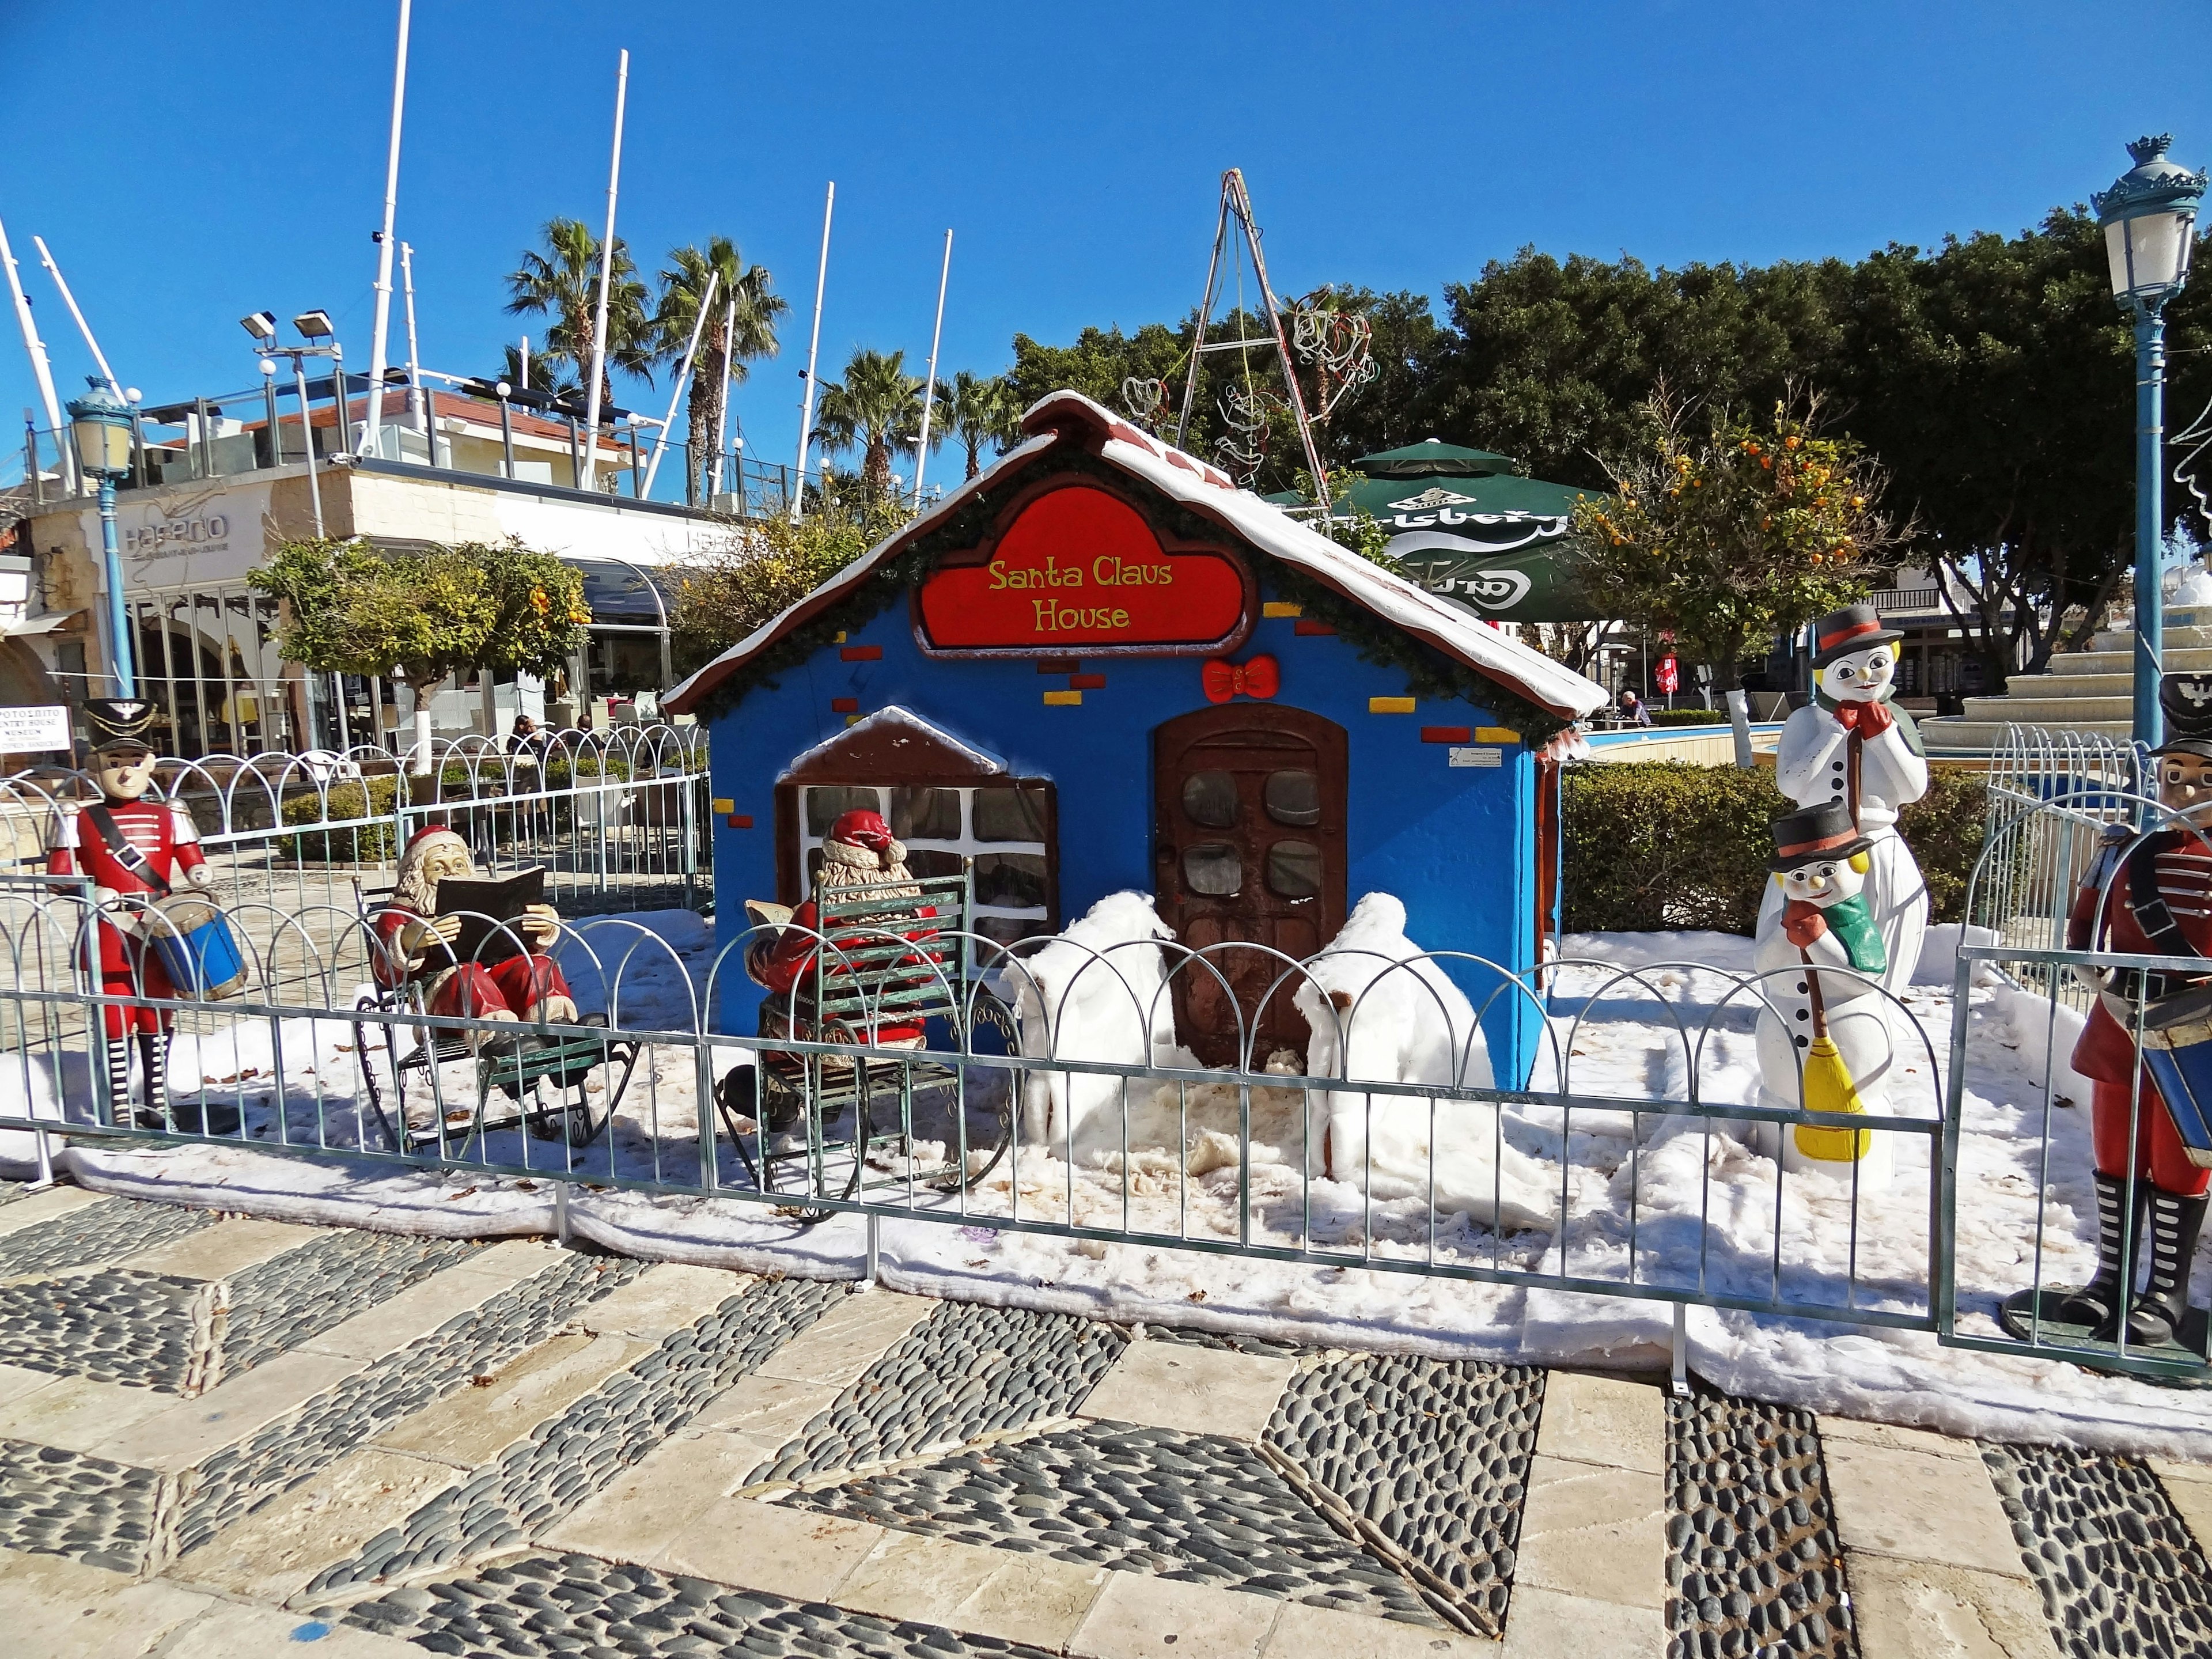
(1080, 572)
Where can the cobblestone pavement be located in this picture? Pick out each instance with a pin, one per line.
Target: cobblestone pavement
(465, 1448)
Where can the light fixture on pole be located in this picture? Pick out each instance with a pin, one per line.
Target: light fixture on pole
(100, 425)
(2149, 220)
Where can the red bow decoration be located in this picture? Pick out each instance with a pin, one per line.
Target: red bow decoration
(1257, 677)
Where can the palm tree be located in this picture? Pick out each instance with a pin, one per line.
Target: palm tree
(876, 408)
(563, 283)
(979, 410)
(547, 374)
(723, 351)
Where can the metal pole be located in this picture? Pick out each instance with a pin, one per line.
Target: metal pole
(722, 406)
(120, 663)
(507, 435)
(2150, 520)
(41, 369)
(83, 327)
(606, 278)
(813, 351)
(575, 457)
(418, 400)
(380, 336)
(929, 385)
(275, 432)
(683, 374)
(307, 435)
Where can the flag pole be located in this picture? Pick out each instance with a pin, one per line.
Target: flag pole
(590, 480)
(41, 368)
(676, 392)
(813, 351)
(380, 337)
(929, 386)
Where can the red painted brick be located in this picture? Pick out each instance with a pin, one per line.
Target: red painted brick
(1303, 626)
(1446, 734)
(861, 653)
(1086, 682)
(740, 820)
(844, 705)
(1058, 665)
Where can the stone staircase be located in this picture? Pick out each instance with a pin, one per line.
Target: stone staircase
(2087, 690)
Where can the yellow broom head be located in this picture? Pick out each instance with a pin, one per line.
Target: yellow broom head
(1829, 1088)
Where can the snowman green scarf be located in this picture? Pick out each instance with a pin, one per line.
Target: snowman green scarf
(1853, 924)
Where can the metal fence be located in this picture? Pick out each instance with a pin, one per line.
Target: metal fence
(1641, 1160)
(618, 820)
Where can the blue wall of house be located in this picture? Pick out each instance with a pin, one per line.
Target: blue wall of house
(1457, 845)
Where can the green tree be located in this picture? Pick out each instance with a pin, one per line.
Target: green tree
(765, 569)
(876, 408)
(1099, 363)
(562, 283)
(977, 410)
(1732, 535)
(549, 375)
(723, 349)
(420, 614)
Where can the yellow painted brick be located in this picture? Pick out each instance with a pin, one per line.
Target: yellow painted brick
(722, 808)
(1281, 608)
(1496, 734)
(852, 719)
(839, 639)
(1391, 705)
(1063, 699)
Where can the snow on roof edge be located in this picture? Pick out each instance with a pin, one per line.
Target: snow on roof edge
(892, 713)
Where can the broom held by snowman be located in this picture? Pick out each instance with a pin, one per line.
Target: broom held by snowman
(1824, 1039)
(1852, 747)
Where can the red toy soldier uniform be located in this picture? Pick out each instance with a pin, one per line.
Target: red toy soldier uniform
(2158, 902)
(135, 852)
(412, 942)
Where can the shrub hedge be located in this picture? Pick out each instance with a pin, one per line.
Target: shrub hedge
(373, 796)
(1654, 845)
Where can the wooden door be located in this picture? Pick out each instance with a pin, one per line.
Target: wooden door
(1248, 844)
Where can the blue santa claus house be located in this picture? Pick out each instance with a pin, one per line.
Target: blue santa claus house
(1100, 666)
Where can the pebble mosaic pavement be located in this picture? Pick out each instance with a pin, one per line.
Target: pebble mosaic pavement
(1385, 1487)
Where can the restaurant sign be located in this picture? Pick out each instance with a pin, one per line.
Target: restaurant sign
(1080, 572)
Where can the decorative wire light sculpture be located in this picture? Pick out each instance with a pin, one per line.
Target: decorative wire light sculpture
(2198, 436)
(1146, 400)
(1341, 346)
(1247, 412)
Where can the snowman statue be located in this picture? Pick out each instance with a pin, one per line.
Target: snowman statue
(1824, 1040)
(1851, 746)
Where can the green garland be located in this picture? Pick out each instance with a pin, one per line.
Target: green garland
(1429, 673)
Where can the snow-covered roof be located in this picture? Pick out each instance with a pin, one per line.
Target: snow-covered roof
(1071, 420)
(903, 727)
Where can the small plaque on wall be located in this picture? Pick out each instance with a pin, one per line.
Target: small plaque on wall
(1079, 572)
(1477, 757)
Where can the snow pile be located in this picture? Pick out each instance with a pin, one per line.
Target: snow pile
(1381, 1011)
(1097, 993)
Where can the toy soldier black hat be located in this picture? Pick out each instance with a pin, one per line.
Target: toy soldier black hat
(1820, 832)
(2185, 700)
(1855, 627)
(117, 720)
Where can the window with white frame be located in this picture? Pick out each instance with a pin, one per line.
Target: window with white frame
(1006, 828)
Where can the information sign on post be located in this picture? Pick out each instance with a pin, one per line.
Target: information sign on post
(35, 729)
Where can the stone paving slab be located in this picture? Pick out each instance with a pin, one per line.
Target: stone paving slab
(1920, 1507)
(645, 1508)
(1166, 1385)
(32, 1208)
(1303, 1632)
(274, 1552)
(229, 1246)
(1606, 1420)
(228, 1632)
(421, 1308)
(1907, 1610)
(179, 1436)
(474, 1425)
(1141, 1618)
(77, 1414)
(983, 1592)
(664, 1298)
(768, 1546)
(851, 1337)
(1596, 1534)
(1547, 1624)
(60, 1607)
(1837, 1431)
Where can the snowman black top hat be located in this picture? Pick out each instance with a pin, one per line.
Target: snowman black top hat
(1855, 627)
(2185, 700)
(1820, 832)
(114, 720)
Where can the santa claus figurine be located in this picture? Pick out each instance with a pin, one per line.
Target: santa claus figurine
(2148, 894)
(860, 857)
(414, 945)
(1824, 1041)
(135, 852)
(1853, 747)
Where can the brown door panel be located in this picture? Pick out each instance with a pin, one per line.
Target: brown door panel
(1249, 846)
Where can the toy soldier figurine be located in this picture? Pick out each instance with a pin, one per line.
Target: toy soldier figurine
(2156, 900)
(135, 852)
(1851, 745)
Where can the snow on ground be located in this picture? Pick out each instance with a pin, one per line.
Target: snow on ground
(1657, 1193)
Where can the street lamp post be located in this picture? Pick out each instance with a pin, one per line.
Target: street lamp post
(2148, 217)
(100, 424)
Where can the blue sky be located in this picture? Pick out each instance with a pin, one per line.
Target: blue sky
(190, 163)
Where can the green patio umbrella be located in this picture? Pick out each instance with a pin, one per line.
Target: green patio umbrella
(1464, 526)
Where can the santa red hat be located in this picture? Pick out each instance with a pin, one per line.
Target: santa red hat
(423, 839)
(861, 828)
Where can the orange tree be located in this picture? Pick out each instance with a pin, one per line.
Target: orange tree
(1740, 533)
